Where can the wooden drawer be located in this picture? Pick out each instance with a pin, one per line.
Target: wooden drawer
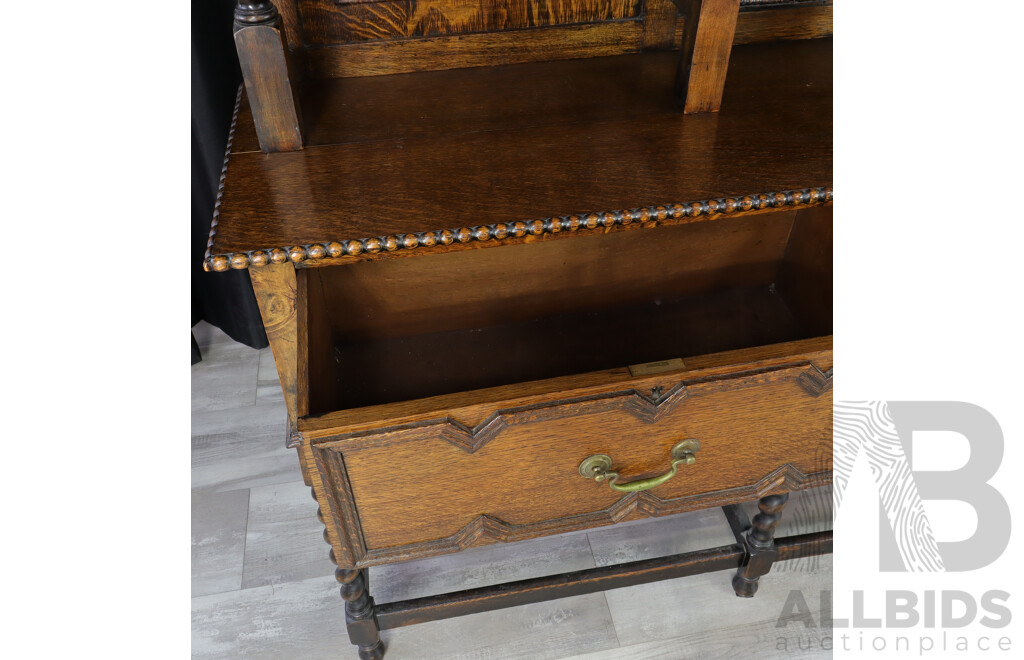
(519, 389)
(446, 485)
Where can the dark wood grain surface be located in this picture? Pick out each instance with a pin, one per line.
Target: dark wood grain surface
(446, 163)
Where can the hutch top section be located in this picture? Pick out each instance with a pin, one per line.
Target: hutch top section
(471, 124)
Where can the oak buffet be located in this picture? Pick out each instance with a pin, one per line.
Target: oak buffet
(532, 268)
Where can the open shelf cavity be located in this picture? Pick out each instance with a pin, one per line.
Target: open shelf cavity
(401, 329)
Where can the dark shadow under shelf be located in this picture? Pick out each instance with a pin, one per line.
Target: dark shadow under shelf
(401, 368)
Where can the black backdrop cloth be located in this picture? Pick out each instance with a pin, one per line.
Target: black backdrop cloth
(226, 299)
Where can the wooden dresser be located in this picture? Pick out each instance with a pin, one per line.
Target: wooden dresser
(527, 269)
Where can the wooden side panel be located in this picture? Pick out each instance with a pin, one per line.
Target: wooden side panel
(761, 432)
(330, 22)
(263, 57)
(275, 288)
(805, 277)
(321, 365)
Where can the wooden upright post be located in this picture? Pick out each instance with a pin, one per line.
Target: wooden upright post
(659, 24)
(263, 56)
(708, 30)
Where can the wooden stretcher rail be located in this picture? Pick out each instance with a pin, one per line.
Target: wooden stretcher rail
(535, 590)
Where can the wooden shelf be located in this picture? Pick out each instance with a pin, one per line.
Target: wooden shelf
(394, 161)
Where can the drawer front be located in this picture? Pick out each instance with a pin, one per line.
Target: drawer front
(437, 487)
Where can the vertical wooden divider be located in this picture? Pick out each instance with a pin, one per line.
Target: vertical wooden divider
(708, 30)
(263, 56)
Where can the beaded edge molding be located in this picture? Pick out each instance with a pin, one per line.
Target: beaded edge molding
(648, 216)
(223, 177)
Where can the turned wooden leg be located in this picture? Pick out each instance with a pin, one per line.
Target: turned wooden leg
(759, 542)
(360, 616)
(363, 630)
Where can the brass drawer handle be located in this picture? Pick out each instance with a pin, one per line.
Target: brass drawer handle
(599, 468)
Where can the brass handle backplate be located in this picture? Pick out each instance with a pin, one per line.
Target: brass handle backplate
(599, 468)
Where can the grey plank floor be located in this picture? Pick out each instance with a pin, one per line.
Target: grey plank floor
(263, 587)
